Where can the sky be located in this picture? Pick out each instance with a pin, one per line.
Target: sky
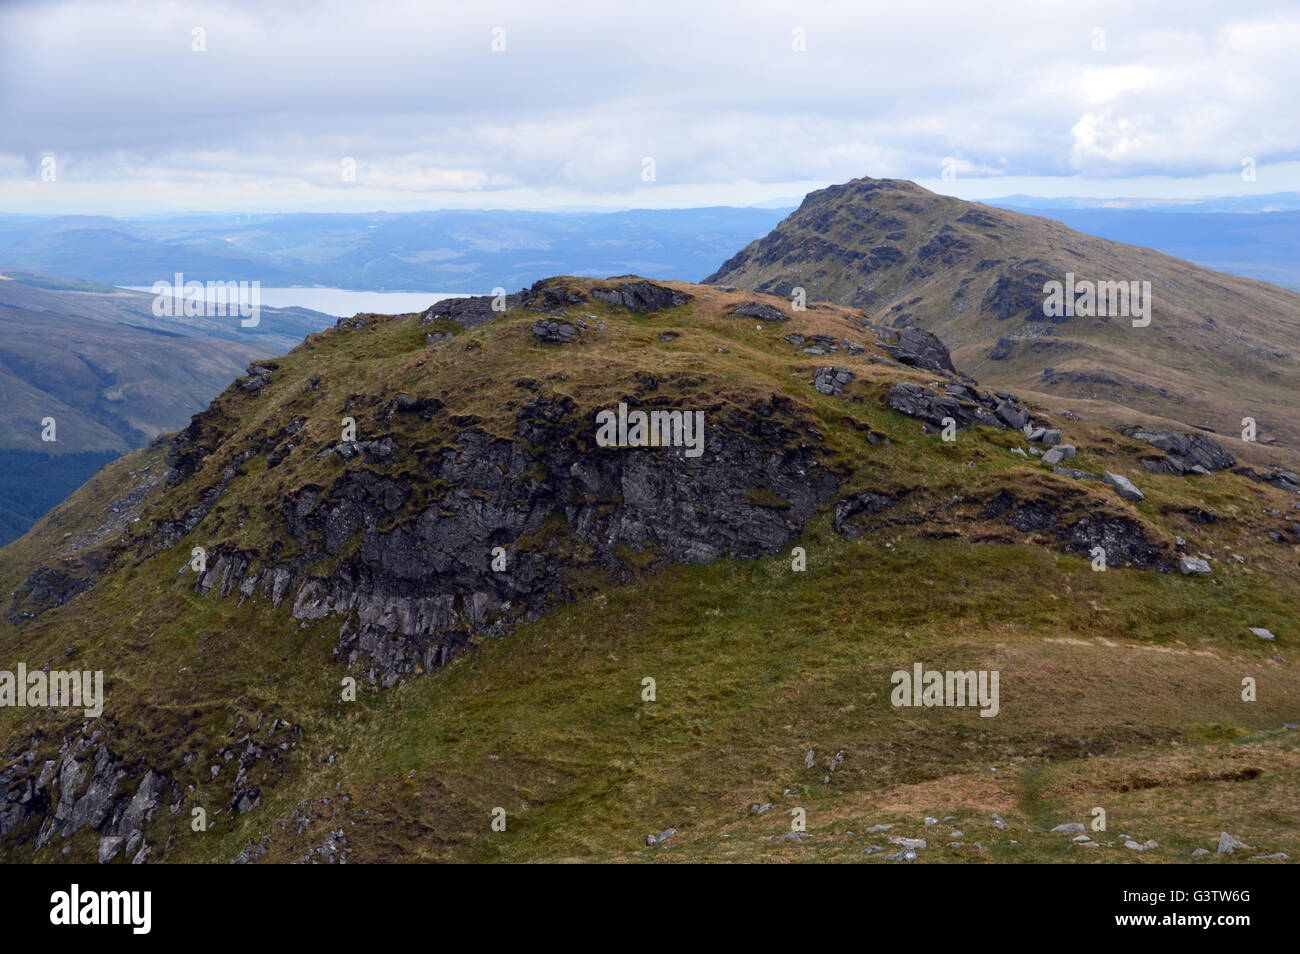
(119, 107)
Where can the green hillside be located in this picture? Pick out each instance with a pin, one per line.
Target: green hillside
(332, 555)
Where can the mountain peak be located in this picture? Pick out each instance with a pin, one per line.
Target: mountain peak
(1217, 347)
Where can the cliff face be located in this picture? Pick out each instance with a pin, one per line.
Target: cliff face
(399, 491)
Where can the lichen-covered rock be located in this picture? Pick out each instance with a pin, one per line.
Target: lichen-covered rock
(640, 296)
(932, 407)
(831, 380)
(555, 332)
(760, 312)
(1188, 450)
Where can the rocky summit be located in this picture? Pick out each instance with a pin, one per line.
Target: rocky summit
(1210, 350)
(396, 596)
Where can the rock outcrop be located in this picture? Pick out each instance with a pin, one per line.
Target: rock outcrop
(640, 296)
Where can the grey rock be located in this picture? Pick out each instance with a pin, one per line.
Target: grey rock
(1228, 844)
(109, 846)
(469, 312)
(1071, 828)
(1262, 633)
(1058, 453)
(1075, 474)
(1011, 415)
(659, 839)
(761, 312)
(1052, 435)
(1124, 487)
(1190, 565)
(555, 332)
(831, 380)
(919, 348)
(1144, 846)
(640, 296)
(1200, 851)
(932, 407)
(1191, 450)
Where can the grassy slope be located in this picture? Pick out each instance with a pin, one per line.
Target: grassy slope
(1119, 689)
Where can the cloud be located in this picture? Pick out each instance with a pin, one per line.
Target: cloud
(717, 94)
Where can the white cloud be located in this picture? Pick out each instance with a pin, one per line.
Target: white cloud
(714, 92)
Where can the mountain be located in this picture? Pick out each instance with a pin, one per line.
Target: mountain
(421, 590)
(443, 251)
(110, 374)
(1218, 348)
(1263, 246)
(1265, 204)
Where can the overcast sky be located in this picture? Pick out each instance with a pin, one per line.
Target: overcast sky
(735, 103)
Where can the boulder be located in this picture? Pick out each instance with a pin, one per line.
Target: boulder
(640, 296)
(1192, 450)
(1011, 415)
(469, 312)
(831, 380)
(1228, 844)
(1059, 453)
(1190, 565)
(932, 407)
(754, 309)
(920, 349)
(1123, 486)
(660, 838)
(555, 332)
(912, 843)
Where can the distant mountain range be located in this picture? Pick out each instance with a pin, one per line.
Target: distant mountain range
(475, 251)
(448, 251)
(1272, 202)
(1265, 246)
